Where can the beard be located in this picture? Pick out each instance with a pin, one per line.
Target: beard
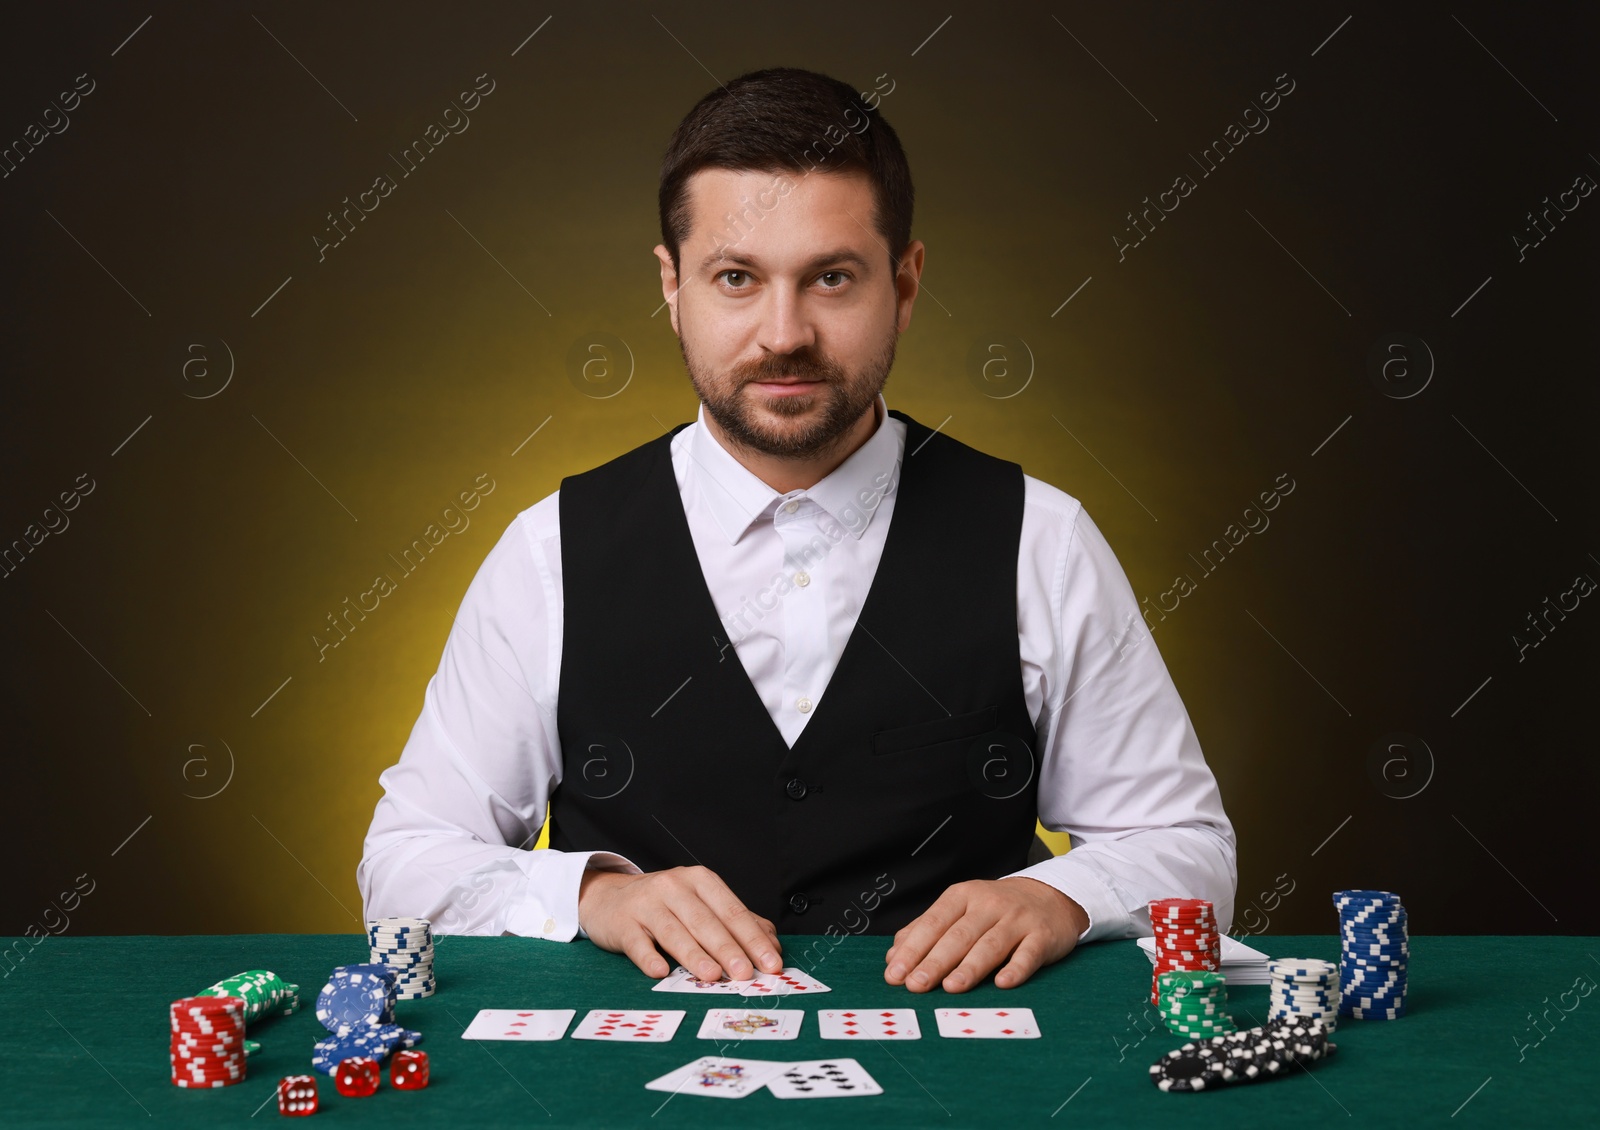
(809, 424)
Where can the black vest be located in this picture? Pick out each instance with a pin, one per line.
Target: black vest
(915, 769)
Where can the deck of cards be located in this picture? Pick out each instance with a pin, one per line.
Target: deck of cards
(726, 1077)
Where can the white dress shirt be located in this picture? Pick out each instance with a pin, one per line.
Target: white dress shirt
(1120, 767)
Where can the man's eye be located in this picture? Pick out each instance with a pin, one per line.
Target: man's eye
(840, 275)
(724, 274)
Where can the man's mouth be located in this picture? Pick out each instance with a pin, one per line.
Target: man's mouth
(788, 381)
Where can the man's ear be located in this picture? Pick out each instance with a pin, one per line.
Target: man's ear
(669, 283)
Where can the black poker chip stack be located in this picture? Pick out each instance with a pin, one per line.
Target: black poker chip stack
(1246, 1056)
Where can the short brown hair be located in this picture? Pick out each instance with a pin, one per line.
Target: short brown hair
(788, 120)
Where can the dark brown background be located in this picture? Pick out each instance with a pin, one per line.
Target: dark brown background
(375, 386)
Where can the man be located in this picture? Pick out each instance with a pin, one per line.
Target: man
(803, 666)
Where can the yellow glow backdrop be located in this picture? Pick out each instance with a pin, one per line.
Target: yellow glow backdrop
(372, 383)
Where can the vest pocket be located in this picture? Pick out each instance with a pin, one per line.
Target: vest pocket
(920, 734)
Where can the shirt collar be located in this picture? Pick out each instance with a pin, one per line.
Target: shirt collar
(850, 493)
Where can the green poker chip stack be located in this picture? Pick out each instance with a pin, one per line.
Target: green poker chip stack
(1193, 1003)
(264, 994)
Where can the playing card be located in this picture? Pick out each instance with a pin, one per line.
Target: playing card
(628, 1025)
(863, 1024)
(519, 1024)
(717, 1076)
(987, 1023)
(823, 1079)
(751, 1024)
(680, 980)
(788, 982)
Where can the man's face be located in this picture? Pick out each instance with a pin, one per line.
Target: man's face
(787, 314)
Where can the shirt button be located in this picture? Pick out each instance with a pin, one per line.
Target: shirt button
(802, 578)
(799, 903)
(790, 507)
(549, 925)
(796, 789)
(803, 705)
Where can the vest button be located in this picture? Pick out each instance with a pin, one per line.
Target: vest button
(796, 789)
(799, 903)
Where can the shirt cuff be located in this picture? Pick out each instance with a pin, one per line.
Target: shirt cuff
(548, 908)
(1107, 919)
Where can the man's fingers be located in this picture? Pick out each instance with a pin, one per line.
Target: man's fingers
(1024, 963)
(641, 950)
(754, 938)
(712, 936)
(949, 951)
(981, 959)
(752, 933)
(676, 939)
(915, 940)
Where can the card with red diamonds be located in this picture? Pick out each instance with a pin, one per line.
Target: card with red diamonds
(629, 1025)
(863, 1024)
(519, 1024)
(987, 1023)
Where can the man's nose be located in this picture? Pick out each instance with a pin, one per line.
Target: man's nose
(785, 324)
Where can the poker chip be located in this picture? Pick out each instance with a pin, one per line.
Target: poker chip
(1247, 1056)
(405, 945)
(207, 1041)
(1375, 955)
(1304, 989)
(357, 997)
(1186, 937)
(1192, 1002)
(264, 994)
(1193, 1067)
(374, 1041)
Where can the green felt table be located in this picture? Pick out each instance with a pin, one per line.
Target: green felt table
(85, 1041)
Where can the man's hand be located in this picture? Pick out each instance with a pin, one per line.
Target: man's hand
(689, 912)
(975, 926)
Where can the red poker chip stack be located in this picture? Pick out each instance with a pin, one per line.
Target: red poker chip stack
(1186, 938)
(207, 1041)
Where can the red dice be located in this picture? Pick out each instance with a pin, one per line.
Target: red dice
(357, 1077)
(297, 1095)
(408, 1071)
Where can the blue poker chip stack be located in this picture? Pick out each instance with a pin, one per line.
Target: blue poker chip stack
(374, 1041)
(1376, 952)
(1304, 989)
(405, 946)
(356, 1006)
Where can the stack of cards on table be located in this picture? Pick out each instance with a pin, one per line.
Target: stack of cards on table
(789, 982)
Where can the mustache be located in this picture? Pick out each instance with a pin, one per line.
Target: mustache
(810, 368)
